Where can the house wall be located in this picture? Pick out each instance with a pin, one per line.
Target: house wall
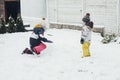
(2, 9)
(118, 9)
(33, 11)
(111, 16)
(65, 11)
(104, 13)
(97, 10)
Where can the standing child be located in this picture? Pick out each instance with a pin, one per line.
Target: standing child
(86, 38)
(36, 41)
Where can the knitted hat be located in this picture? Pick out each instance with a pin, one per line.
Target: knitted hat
(38, 26)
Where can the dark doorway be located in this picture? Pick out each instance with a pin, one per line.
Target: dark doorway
(12, 8)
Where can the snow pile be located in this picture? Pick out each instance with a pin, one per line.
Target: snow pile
(61, 60)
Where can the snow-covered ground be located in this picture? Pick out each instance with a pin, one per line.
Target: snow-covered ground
(61, 60)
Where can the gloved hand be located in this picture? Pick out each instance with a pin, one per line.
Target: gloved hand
(49, 41)
(82, 41)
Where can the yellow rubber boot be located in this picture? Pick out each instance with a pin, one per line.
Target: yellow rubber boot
(85, 47)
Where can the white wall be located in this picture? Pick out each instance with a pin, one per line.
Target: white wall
(52, 10)
(111, 16)
(118, 8)
(65, 11)
(97, 10)
(33, 10)
(72, 11)
(103, 12)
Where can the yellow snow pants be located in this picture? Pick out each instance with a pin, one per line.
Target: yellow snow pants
(85, 47)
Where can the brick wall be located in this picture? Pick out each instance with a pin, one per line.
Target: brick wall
(2, 7)
(11, 0)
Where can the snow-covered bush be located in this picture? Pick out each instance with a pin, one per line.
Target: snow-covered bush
(2, 25)
(11, 25)
(19, 24)
(109, 37)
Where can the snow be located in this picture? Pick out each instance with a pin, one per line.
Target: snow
(61, 60)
